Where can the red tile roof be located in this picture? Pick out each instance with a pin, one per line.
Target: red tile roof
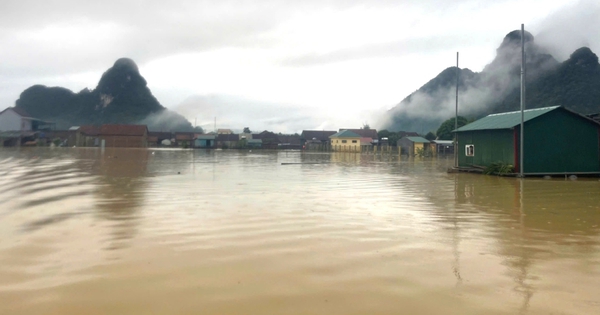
(184, 136)
(89, 130)
(123, 130)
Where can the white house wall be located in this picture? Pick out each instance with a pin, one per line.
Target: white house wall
(11, 121)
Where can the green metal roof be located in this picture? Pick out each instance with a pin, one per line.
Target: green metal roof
(345, 134)
(418, 139)
(505, 120)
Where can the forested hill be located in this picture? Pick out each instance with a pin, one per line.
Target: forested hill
(121, 96)
(574, 83)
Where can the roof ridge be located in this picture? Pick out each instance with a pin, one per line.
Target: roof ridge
(527, 110)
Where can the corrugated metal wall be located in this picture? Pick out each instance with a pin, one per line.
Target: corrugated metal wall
(556, 142)
(490, 146)
(561, 142)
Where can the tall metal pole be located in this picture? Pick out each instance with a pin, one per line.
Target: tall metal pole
(521, 150)
(456, 115)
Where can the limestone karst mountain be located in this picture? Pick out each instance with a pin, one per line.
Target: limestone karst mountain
(574, 83)
(121, 96)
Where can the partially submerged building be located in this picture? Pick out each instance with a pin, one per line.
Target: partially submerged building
(316, 139)
(442, 147)
(345, 141)
(18, 127)
(411, 145)
(205, 141)
(132, 136)
(556, 141)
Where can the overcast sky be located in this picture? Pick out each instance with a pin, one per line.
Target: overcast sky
(277, 65)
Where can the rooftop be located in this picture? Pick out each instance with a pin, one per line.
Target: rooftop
(123, 130)
(505, 120)
(371, 133)
(345, 134)
(418, 139)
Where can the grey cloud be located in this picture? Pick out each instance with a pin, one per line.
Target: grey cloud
(572, 27)
(235, 113)
(391, 49)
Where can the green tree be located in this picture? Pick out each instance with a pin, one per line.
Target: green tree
(444, 132)
(247, 130)
(383, 134)
(430, 136)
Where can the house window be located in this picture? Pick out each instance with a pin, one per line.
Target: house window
(470, 150)
(353, 141)
(344, 141)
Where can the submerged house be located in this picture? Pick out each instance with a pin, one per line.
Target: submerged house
(227, 140)
(17, 126)
(345, 141)
(124, 136)
(368, 137)
(442, 147)
(205, 141)
(411, 145)
(316, 139)
(556, 141)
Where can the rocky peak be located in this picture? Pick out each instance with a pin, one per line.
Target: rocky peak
(584, 57)
(123, 75)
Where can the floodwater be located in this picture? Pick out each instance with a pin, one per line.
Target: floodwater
(228, 232)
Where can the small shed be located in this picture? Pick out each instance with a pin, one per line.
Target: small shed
(227, 140)
(254, 143)
(184, 139)
(205, 141)
(411, 145)
(156, 138)
(556, 141)
(443, 147)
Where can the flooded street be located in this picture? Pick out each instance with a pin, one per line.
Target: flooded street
(230, 232)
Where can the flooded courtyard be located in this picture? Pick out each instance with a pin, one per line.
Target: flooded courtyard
(126, 231)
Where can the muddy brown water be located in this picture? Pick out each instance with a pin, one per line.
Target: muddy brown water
(227, 232)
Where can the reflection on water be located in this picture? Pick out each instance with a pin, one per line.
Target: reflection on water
(237, 232)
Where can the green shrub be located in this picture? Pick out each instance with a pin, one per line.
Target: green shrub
(499, 168)
(420, 152)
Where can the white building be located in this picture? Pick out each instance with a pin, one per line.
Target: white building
(17, 119)
(14, 119)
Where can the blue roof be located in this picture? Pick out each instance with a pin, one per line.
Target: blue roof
(505, 120)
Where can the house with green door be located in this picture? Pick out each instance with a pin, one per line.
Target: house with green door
(556, 141)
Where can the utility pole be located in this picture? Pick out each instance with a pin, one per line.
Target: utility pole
(521, 147)
(456, 115)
